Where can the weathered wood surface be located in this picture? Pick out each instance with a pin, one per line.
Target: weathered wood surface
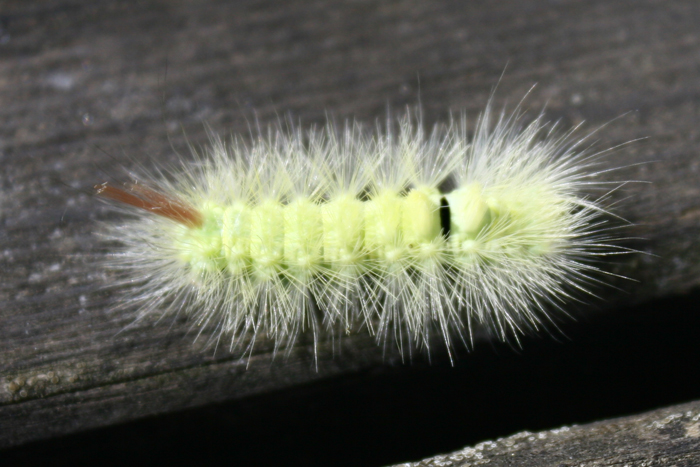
(81, 79)
(663, 437)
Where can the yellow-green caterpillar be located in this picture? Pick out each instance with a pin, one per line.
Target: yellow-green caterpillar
(400, 230)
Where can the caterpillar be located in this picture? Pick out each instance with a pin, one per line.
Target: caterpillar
(401, 231)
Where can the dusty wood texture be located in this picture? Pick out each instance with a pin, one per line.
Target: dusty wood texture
(663, 437)
(81, 79)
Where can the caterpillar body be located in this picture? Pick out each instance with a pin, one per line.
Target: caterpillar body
(402, 231)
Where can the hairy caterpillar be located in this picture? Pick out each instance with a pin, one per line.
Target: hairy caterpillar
(401, 230)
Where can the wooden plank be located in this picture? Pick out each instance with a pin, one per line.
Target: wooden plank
(81, 79)
(662, 437)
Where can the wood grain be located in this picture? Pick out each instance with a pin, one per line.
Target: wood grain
(661, 437)
(86, 87)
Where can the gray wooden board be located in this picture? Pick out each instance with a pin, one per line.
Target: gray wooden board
(89, 86)
(668, 436)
